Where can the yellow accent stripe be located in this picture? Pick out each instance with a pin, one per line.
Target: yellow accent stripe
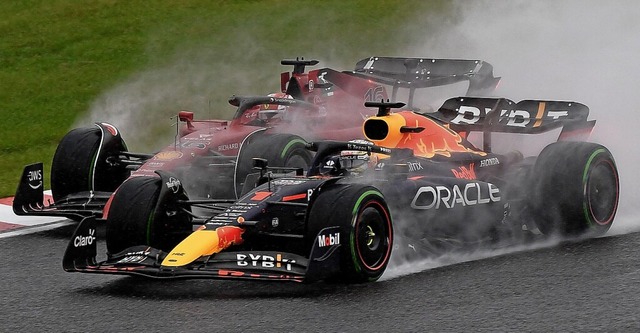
(541, 107)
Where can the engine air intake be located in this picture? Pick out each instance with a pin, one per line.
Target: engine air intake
(376, 129)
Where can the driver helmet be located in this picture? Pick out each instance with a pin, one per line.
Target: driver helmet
(356, 161)
(271, 111)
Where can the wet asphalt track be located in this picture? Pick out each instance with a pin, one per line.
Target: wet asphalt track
(591, 286)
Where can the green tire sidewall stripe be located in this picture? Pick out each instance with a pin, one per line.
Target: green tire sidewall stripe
(354, 214)
(92, 166)
(288, 146)
(149, 224)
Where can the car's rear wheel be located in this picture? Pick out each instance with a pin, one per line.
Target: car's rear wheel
(76, 166)
(141, 213)
(366, 229)
(576, 189)
(280, 150)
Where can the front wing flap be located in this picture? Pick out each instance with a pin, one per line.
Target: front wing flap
(30, 200)
(81, 252)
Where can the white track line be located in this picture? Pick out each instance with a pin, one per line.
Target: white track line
(28, 224)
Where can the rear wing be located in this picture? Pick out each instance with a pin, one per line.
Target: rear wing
(426, 72)
(487, 115)
(415, 73)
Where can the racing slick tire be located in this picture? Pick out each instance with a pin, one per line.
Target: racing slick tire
(280, 150)
(74, 167)
(576, 189)
(366, 229)
(141, 214)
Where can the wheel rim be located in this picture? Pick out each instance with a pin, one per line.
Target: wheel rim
(602, 192)
(372, 236)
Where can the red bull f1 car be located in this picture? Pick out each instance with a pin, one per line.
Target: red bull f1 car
(416, 181)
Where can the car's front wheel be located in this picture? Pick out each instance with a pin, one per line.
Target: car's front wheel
(79, 163)
(141, 213)
(366, 229)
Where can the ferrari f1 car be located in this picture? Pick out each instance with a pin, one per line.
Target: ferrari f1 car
(213, 157)
(416, 182)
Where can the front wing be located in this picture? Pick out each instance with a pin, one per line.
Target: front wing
(29, 198)
(81, 253)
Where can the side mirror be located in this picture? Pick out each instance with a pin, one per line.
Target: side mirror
(186, 116)
(260, 164)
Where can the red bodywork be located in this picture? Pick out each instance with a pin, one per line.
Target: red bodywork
(340, 116)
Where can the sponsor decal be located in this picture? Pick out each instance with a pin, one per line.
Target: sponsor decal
(155, 164)
(134, 257)
(489, 162)
(34, 178)
(144, 170)
(510, 117)
(204, 138)
(173, 184)
(194, 144)
(242, 206)
(465, 173)
(287, 182)
(253, 114)
(413, 166)
(516, 118)
(557, 114)
(229, 146)
(354, 157)
(435, 197)
(168, 155)
(81, 241)
(468, 115)
(329, 165)
(230, 273)
(233, 213)
(329, 240)
(263, 261)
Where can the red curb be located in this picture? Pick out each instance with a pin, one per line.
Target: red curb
(4, 226)
(6, 201)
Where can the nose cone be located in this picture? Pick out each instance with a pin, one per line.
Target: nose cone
(203, 242)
